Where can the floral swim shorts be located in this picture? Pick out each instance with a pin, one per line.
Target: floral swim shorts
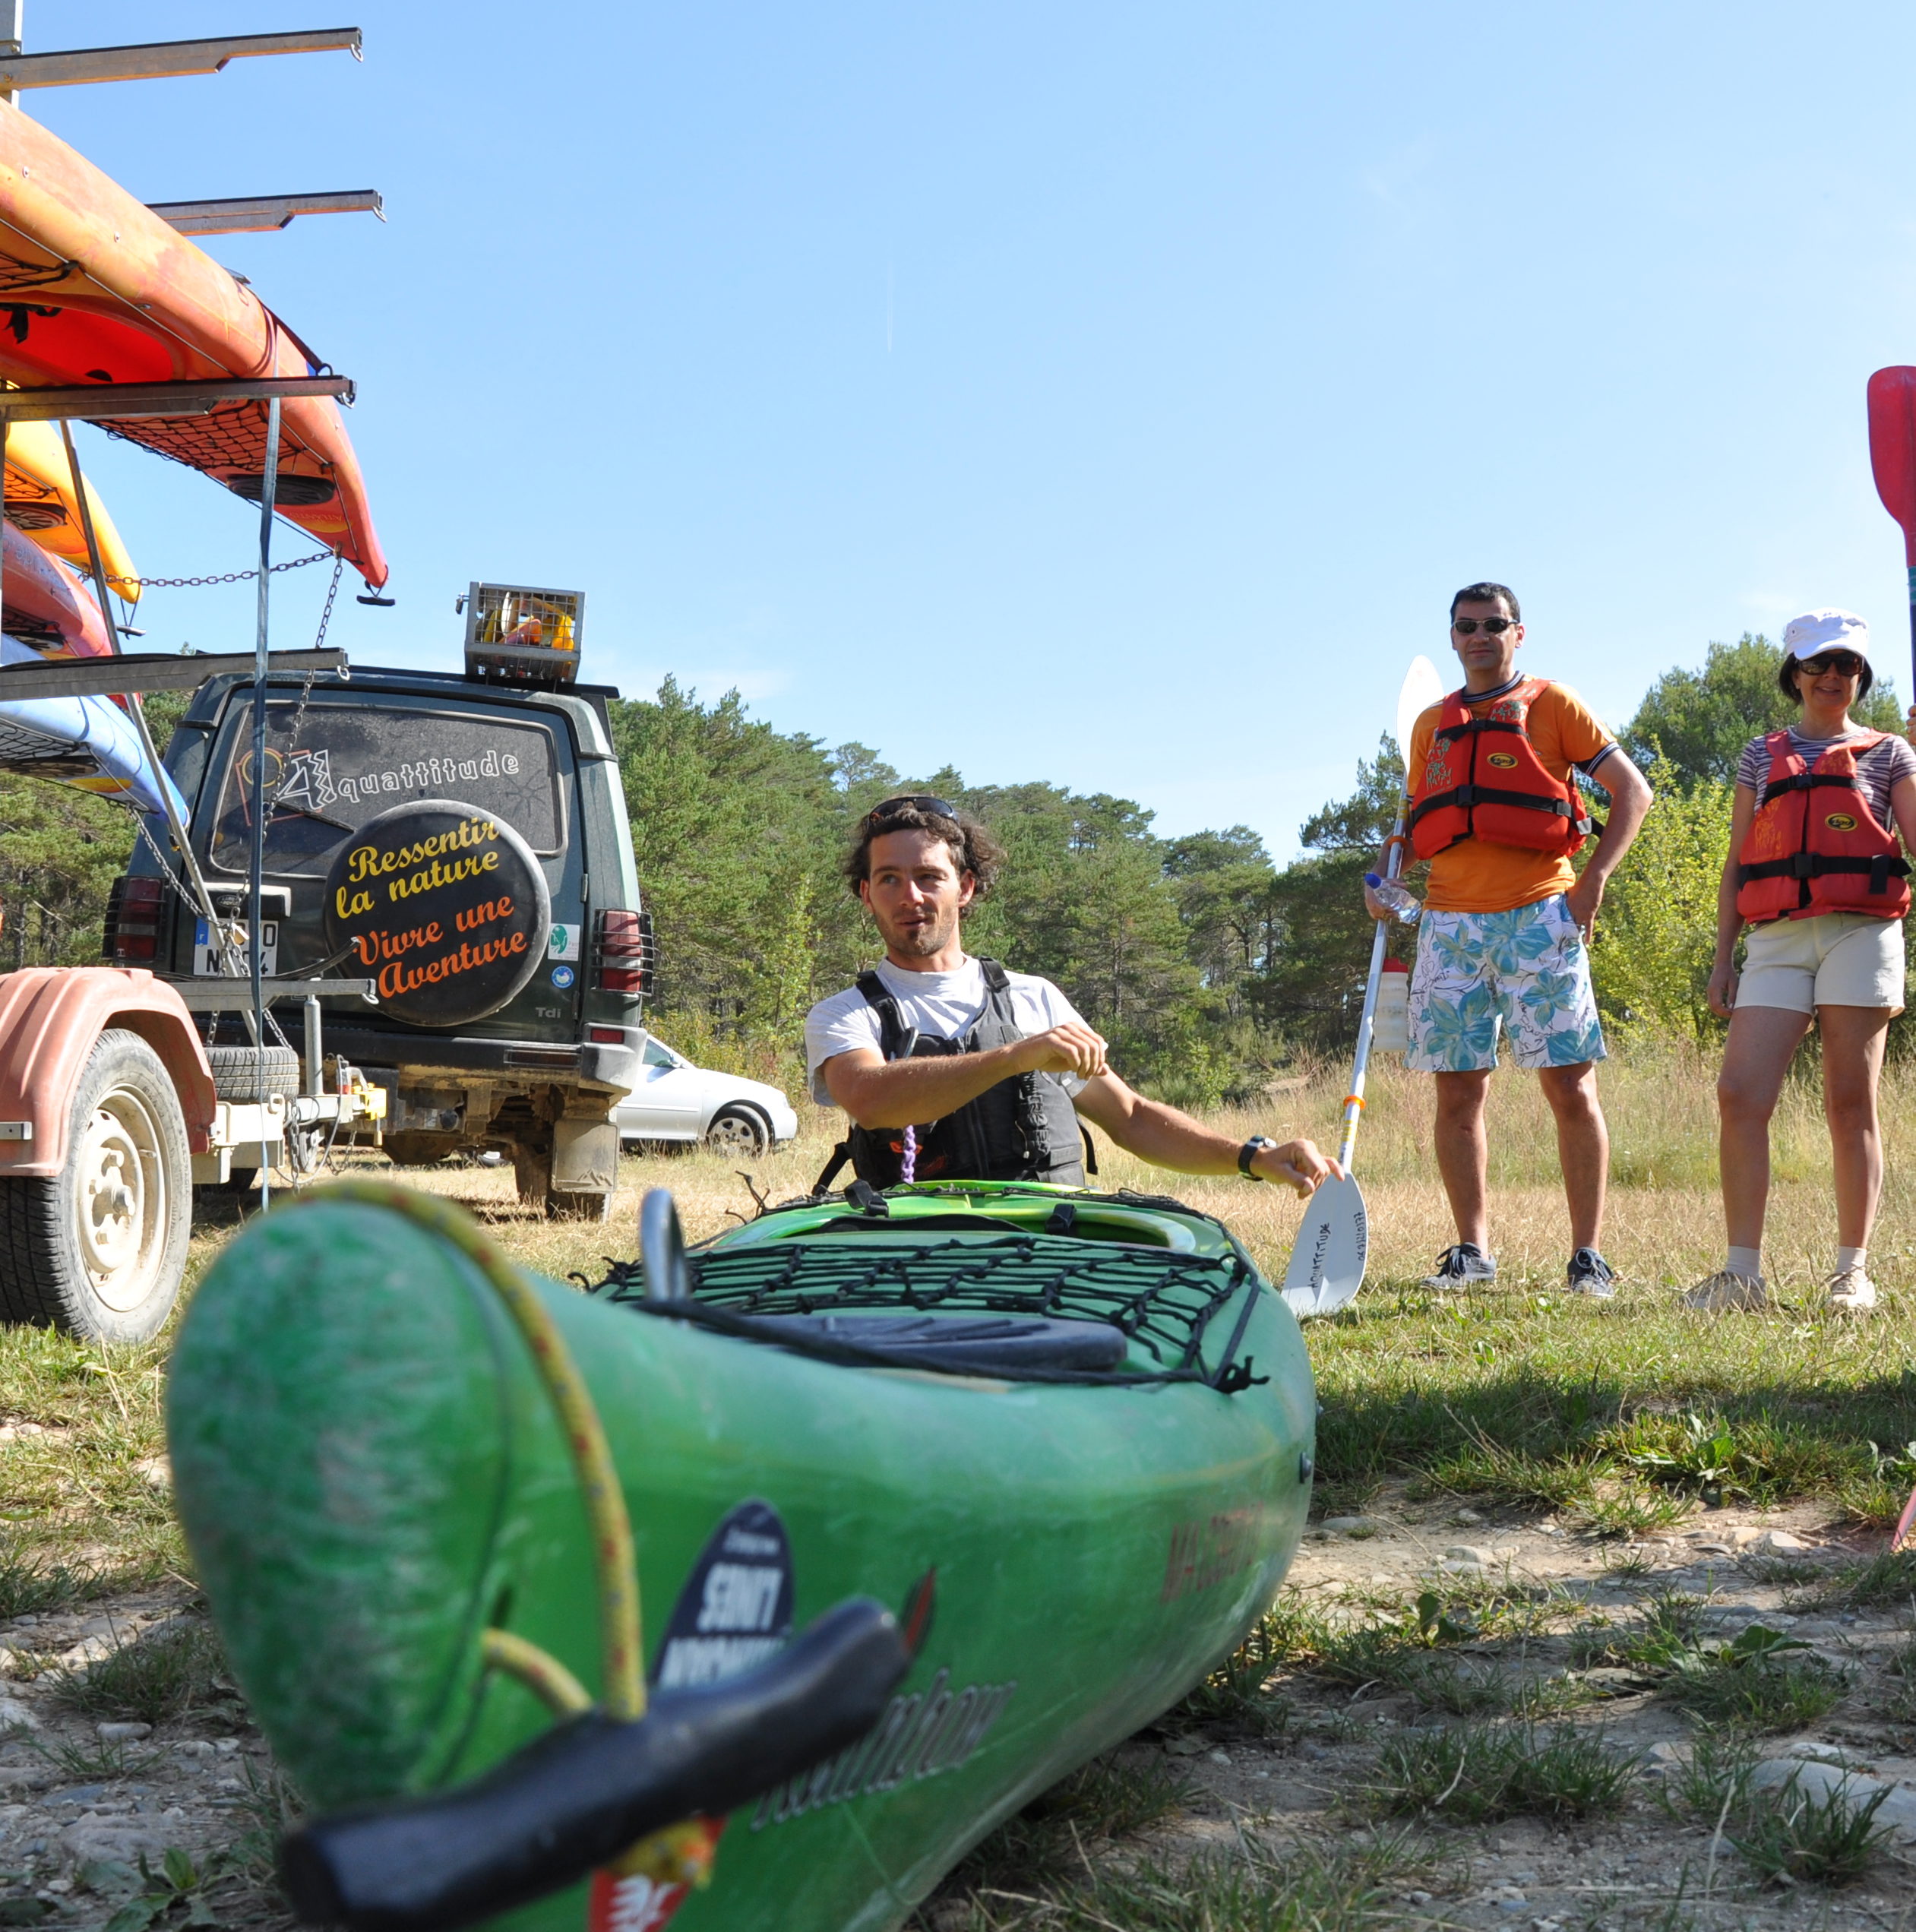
(1526, 973)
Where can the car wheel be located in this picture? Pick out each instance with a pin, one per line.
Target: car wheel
(98, 1249)
(737, 1132)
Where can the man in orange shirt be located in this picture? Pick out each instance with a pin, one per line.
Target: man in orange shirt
(1502, 946)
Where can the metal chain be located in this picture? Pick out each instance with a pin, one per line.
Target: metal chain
(332, 591)
(221, 947)
(228, 577)
(305, 693)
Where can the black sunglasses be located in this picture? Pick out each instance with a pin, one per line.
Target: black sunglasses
(1844, 663)
(913, 802)
(1466, 626)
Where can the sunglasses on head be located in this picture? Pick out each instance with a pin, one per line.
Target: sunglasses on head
(913, 801)
(1844, 663)
(1467, 627)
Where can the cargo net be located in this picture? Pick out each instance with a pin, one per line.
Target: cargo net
(1163, 1303)
(29, 503)
(231, 437)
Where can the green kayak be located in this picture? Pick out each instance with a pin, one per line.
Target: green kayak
(928, 1496)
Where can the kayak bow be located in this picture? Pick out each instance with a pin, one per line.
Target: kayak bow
(1067, 1437)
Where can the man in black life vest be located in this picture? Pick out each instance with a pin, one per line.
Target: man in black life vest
(952, 1068)
(1502, 948)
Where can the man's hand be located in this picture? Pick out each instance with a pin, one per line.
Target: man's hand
(1583, 899)
(1721, 995)
(1909, 725)
(1297, 1162)
(1376, 907)
(1071, 1048)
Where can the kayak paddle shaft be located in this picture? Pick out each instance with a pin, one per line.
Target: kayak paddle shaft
(1353, 1100)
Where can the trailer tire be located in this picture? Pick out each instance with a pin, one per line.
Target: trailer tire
(98, 1249)
(236, 1072)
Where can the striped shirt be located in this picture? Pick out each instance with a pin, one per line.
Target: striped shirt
(1878, 769)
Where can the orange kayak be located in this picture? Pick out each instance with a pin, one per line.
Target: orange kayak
(95, 287)
(40, 502)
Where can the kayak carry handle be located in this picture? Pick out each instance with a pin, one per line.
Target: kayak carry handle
(662, 1247)
(576, 1798)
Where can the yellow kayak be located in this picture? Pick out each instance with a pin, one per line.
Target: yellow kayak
(40, 505)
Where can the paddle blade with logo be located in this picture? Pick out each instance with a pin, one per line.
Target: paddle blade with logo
(1327, 1260)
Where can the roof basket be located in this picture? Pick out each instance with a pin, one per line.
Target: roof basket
(516, 634)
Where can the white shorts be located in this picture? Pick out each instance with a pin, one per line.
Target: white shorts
(1836, 959)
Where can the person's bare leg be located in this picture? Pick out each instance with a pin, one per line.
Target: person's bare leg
(1582, 1145)
(1762, 1042)
(1853, 1040)
(1463, 1153)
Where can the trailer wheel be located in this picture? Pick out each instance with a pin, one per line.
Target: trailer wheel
(98, 1249)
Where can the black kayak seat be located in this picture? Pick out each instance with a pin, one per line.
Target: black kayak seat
(981, 1343)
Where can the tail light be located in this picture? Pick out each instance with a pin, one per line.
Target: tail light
(133, 910)
(623, 954)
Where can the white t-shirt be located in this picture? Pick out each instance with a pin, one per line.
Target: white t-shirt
(943, 1006)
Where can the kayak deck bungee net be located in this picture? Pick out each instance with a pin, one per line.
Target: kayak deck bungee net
(1018, 1464)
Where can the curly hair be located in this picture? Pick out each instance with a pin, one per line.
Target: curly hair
(973, 849)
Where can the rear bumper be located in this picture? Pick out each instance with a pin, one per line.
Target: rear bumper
(613, 1070)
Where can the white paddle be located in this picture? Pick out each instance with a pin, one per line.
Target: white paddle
(1333, 1238)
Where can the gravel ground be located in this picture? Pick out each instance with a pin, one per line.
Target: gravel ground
(1646, 1862)
(84, 1800)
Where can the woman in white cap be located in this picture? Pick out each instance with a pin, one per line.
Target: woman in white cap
(1814, 872)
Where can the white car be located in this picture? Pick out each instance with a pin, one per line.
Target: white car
(676, 1101)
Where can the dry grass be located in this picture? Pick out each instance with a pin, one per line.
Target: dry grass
(1518, 1391)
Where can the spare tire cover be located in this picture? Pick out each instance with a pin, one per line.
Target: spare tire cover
(444, 906)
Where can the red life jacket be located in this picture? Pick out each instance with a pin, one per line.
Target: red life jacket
(1815, 845)
(1483, 779)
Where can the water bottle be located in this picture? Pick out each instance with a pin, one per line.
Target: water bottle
(1399, 899)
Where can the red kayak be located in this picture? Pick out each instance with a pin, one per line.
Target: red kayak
(45, 606)
(94, 287)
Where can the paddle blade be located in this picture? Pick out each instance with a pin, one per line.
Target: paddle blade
(1892, 447)
(1422, 688)
(1904, 1521)
(1327, 1260)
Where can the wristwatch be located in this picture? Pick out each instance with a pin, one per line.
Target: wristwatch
(1248, 1153)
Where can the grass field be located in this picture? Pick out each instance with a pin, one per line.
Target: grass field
(1614, 1418)
(1518, 1391)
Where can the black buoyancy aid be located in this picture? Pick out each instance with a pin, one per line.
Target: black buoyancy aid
(1483, 779)
(1024, 1128)
(1815, 845)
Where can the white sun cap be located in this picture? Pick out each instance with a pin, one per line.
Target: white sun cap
(1816, 631)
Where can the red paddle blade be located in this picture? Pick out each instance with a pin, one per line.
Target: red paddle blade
(1904, 1521)
(1892, 447)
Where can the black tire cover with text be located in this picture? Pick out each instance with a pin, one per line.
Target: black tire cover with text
(445, 906)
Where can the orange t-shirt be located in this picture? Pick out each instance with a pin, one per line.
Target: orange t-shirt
(1474, 876)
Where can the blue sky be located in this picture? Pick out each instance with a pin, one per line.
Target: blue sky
(1112, 395)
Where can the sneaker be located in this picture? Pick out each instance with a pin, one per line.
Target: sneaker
(1849, 1291)
(1590, 1274)
(1724, 1292)
(1458, 1266)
